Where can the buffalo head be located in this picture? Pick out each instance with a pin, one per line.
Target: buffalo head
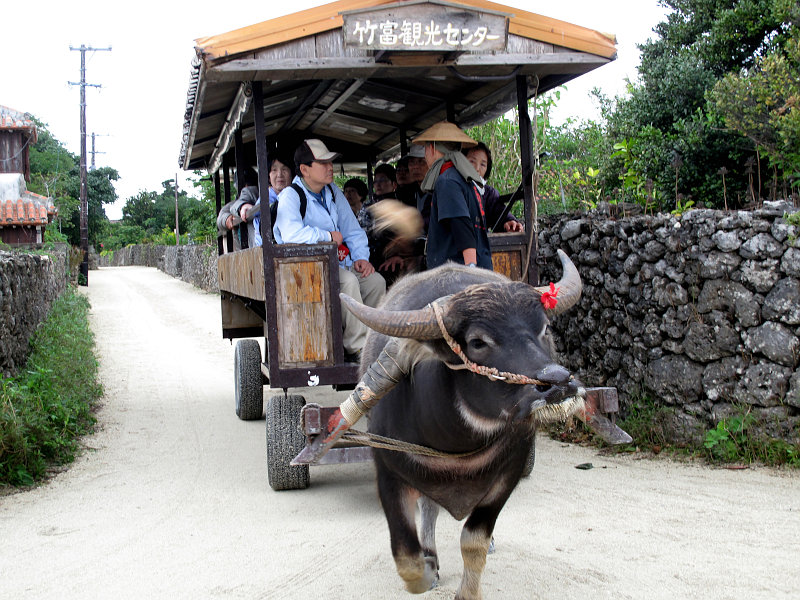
(497, 324)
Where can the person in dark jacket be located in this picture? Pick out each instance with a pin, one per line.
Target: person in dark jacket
(457, 229)
(480, 157)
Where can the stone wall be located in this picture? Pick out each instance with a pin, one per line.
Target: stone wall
(194, 264)
(28, 285)
(699, 313)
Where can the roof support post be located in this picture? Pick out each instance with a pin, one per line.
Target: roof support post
(262, 160)
(403, 142)
(526, 155)
(450, 109)
(226, 196)
(238, 146)
(218, 202)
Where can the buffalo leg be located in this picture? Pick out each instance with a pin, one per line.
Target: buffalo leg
(429, 512)
(476, 537)
(399, 505)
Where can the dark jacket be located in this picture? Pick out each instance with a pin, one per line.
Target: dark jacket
(455, 199)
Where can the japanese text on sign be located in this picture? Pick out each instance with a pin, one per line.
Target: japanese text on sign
(422, 27)
(414, 34)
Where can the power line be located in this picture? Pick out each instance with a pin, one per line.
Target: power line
(84, 214)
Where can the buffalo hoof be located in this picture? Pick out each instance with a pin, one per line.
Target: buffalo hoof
(419, 574)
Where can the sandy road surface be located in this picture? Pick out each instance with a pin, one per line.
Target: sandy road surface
(172, 500)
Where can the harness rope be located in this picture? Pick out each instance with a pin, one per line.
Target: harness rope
(490, 372)
(379, 441)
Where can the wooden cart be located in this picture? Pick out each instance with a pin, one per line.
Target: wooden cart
(365, 76)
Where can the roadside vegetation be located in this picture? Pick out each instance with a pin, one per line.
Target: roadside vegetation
(736, 440)
(47, 407)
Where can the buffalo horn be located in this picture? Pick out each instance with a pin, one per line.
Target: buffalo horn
(570, 285)
(415, 324)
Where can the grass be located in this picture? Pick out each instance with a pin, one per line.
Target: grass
(47, 407)
(736, 439)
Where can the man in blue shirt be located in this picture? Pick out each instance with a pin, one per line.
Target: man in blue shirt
(329, 218)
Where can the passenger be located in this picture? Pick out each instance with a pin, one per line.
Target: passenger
(281, 171)
(480, 157)
(457, 230)
(387, 252)
(228, 217)
(355, 190)
(365, 218)
(226, 221)
(328, 218)
(402, 174)
(408, 190)
(384, 182)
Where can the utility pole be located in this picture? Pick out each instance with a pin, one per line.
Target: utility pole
(94, 152)
(177, 231)
(84, 216)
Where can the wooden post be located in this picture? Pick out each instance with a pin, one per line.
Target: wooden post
(84, 199)
(262, 160)
(218, 200)
(177, 229)
(238, 146)
(370, 182)
(226, 192)
(403, 142)
(526, 153)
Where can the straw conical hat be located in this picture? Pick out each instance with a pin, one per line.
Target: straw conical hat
(445, 131)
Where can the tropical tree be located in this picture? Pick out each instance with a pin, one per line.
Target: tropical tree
(55, 172)
(762, 103)
(150, 214)
(99, 192)
(673, 137)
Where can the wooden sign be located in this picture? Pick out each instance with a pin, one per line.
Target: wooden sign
(425, 26)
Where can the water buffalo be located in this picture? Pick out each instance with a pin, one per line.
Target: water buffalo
(458, 405)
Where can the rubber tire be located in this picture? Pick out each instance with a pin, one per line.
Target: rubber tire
(247, 382)
(531, 460)
(285, 440)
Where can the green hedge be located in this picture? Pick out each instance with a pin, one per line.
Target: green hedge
(47, 407)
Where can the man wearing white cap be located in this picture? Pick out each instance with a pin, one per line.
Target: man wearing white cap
(457, 229)
(328, 218)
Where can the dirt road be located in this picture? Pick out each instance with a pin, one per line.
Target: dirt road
(172, 500)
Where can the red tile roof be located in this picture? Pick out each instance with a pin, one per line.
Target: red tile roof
(31, 209)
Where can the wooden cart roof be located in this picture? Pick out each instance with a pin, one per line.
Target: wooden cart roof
(321, 79)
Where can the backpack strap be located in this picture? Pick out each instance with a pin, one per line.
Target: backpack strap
(303, 200)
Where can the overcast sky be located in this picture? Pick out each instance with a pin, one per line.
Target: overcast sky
(137, 115)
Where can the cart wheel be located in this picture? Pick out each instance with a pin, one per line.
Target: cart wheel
(285, 440)
(531, 459)
(248, 384)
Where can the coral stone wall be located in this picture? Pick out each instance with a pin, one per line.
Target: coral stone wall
(28, 285)
(194, 264)
(700, 313)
